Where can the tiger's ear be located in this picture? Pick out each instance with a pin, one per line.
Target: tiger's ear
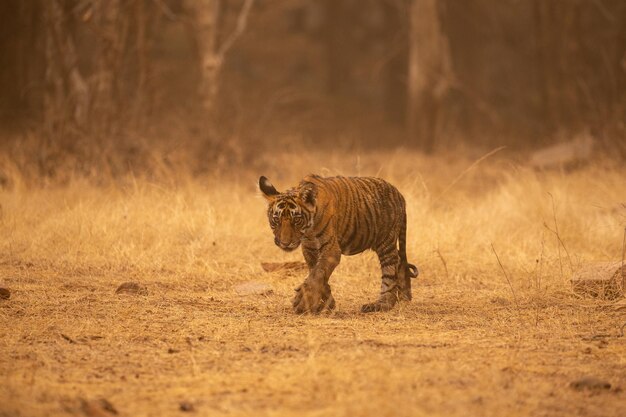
(266, 187)
(308, 194)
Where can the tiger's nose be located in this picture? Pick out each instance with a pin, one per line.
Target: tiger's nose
(280, 244)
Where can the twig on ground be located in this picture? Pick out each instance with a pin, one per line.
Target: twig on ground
(558, 238)
(443, 261)
(506, 276)
(539, 264)
(69, 339)
(538, 275)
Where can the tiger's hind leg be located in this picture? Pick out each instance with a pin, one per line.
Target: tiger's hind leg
(406, 272)
(391, 289)
(404, 282)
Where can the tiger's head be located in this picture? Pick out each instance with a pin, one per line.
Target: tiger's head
(290, 213)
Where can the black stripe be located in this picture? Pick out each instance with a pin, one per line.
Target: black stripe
(323, 245)
(351, 216)
(321, 211)
(386, 248)
(369, 215)
(392, 262)
(351, 238)
(323, 230)
(353, 208)
(361, 214)
(347, 216)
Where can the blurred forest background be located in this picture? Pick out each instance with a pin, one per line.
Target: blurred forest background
(88, 84)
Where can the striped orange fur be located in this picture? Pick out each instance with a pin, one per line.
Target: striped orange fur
(342, 215)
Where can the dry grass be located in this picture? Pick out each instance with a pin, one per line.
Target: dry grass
(470, 343)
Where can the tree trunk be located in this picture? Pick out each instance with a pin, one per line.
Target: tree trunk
(67, 90)
(205, 17)
(111, 42)
(396, 25)
(429, 72)
(142, 103)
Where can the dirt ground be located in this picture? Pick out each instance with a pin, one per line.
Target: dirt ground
(479, 338)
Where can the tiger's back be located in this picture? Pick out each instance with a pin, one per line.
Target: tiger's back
(364, 211)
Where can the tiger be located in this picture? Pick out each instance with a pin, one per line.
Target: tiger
(334, 216)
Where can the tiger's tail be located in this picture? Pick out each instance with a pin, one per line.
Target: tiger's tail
(411, 270)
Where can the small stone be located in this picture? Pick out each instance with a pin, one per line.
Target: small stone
(132, 288)
(603, 280)
(500, 301)
(187, 406)
(590, 383)
(5, 294)
(254, 288)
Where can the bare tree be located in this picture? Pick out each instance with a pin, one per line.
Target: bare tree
(396, 68)
(86, 98)
(67, 90)
(111, 32)
(206, 18)
(143, 19)
(429, 72)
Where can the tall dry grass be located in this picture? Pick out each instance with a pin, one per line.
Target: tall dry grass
(485, 334)
(194, 223)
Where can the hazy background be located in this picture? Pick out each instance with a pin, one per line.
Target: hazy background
(132, 137)
(123, 85)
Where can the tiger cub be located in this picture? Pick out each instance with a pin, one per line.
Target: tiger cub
(342, 215)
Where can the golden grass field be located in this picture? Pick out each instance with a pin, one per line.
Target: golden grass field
(469, 344)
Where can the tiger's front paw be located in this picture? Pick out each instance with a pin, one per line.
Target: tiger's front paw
(310, 299)
(328, 299)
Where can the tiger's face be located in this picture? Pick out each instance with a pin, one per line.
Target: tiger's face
(290, 214)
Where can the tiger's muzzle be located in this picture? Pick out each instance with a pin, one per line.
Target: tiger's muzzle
(286, 246)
